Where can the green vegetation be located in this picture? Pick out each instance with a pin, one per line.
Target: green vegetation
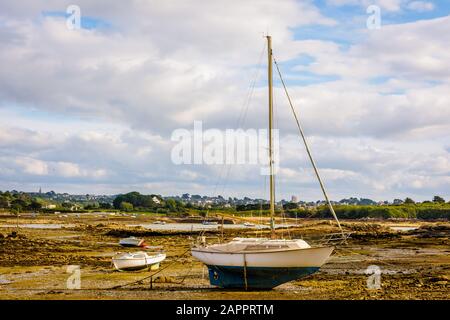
(438, 199)
(134, 201)
(420, 211)
(407, 209)
(253, 207)
(126, 206)
(18, 202)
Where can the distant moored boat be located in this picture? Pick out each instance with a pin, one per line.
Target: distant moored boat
(132, 242)
(206, 222)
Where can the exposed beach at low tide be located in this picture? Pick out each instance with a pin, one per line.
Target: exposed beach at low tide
(413, 256)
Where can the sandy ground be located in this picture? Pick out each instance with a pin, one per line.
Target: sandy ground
(33, 265)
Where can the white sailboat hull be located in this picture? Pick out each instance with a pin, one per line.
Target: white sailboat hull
(268, 266)
(136, 261)
(307, 257)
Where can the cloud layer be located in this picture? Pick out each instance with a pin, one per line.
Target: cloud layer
(92, 110)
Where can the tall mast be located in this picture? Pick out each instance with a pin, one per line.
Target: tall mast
(272, 179)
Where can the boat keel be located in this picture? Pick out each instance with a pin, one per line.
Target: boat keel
(257, 277)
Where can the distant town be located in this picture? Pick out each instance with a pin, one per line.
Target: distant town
(75, 202)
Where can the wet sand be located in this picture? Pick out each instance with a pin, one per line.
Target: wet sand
(414, 264)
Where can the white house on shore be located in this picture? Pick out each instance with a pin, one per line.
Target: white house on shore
(156, 200)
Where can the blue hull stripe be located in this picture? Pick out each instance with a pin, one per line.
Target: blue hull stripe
(257, 277)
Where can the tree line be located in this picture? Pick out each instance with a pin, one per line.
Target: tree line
(134, 201)
(435, 209)
(17, 202)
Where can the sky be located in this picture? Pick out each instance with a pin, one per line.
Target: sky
(93, 109)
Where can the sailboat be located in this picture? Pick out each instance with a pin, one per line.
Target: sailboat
(132, 242)
(130, 261)
(264, 263)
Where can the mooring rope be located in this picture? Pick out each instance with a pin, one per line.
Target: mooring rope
(150, 276)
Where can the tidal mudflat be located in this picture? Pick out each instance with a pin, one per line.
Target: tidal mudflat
(412, 257)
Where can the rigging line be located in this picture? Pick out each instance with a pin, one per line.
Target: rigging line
(277, 181)
(153, 274)
(266, 183)
(300, 129)
(241, 118)
(261, 222)
(242, 113)
(244, 117)
(240, 124)
(251, 88)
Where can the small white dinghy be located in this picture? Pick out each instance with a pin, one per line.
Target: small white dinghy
(132, 242)
(129, 261)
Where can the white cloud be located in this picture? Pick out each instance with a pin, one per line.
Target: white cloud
(113, 164)
(134, 72)
(67, 169)
(388, 5)
(94, 109)
(33, 166)
(420, 6)
(414, 51)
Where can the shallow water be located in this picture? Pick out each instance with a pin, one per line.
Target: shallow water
(199, 226)
(400, 228)
(38, 226)
(176, 226)
(4, 281)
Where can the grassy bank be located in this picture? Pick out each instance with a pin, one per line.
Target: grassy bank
(411, 211)
(424, 211)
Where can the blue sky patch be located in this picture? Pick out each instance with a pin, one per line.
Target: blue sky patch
(379, 80)
(86, 22)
